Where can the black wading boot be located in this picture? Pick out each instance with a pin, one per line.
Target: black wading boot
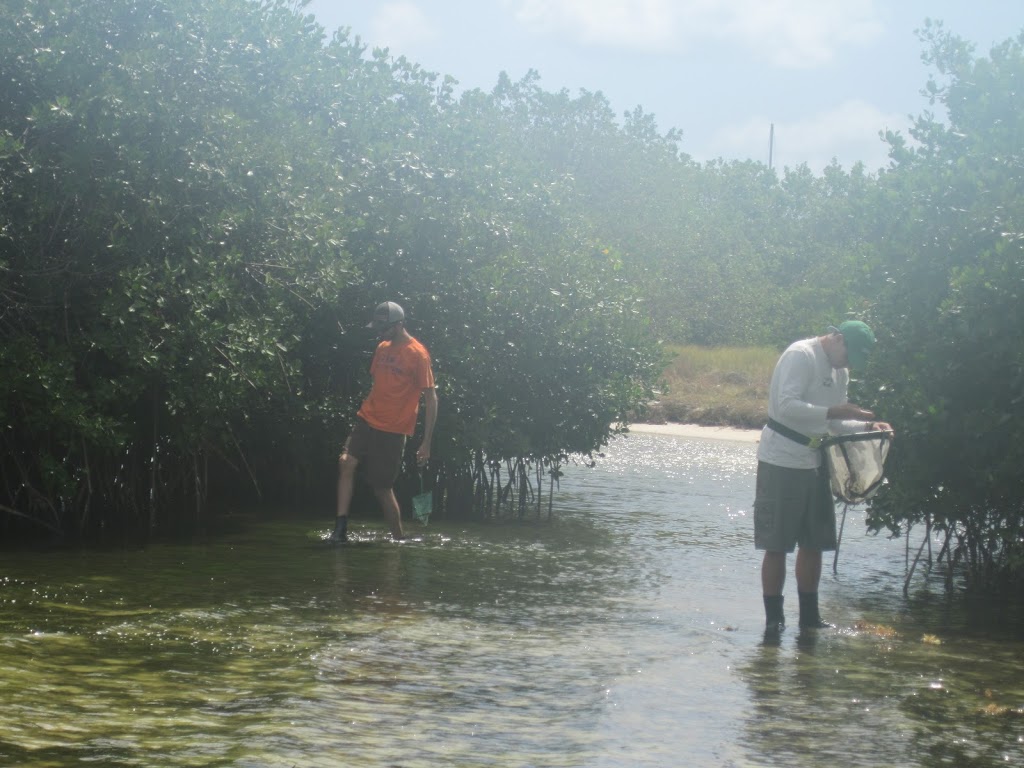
(340, 533)
(775, 621)
(809, 616)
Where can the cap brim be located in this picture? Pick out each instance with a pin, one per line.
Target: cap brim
(857, 358)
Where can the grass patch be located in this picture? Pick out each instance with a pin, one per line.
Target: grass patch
(719, 386)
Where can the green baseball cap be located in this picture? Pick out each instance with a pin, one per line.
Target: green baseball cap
(859, 340)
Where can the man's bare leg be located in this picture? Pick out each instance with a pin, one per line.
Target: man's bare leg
(773, 573)
(808, 569)
(346, 482)
(392, 513)
(773, 578)
(808, 576)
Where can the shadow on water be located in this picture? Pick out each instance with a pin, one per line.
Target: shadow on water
(626, 633)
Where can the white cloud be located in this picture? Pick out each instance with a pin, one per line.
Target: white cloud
(400, 26)
(627, 23)
(787, 33)
(848, 133)
(799, 33)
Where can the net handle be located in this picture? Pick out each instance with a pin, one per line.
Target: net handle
(855, 437)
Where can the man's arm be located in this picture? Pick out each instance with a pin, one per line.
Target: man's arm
(429, 419)
(792, 381)
(849, 412)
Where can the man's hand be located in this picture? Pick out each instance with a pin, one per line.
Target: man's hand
(422, 454)
(880, 426)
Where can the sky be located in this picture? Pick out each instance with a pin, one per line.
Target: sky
(827, 74)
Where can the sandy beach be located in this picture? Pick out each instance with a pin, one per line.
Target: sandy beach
(698, 430)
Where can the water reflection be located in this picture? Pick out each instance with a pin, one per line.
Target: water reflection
(626, 633)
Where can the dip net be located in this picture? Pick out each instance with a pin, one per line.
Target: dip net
(856, 469)
(856, 464)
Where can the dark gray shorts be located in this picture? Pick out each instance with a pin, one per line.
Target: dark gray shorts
(379, 453)
(793, 506)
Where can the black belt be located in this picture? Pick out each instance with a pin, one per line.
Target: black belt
(792, 434)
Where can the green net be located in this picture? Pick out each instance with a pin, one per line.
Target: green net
(422, 506)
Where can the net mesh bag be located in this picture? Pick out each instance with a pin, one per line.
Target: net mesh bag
(423, 501)
(856, 464)
(422, 506)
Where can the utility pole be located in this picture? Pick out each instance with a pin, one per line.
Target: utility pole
(771, 144)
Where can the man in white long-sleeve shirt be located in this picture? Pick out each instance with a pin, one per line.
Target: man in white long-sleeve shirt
(793, 504)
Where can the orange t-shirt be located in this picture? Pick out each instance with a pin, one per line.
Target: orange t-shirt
(401, 371)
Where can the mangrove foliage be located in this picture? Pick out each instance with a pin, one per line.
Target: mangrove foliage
(201, 202)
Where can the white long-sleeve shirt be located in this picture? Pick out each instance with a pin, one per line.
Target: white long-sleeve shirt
(804, 386)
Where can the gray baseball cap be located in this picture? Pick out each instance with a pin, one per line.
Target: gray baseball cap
(386, 314)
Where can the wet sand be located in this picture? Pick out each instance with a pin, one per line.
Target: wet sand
(698, 430)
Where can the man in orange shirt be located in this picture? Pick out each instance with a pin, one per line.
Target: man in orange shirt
(401, 373)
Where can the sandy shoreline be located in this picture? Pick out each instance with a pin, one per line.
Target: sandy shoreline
(698, 430)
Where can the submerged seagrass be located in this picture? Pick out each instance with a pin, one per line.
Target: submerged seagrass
(625, 633)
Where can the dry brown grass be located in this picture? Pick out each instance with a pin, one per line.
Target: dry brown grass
(721, 386)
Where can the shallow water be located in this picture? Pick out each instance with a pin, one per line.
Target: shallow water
(625, 633)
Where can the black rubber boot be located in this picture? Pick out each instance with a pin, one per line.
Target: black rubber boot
(340, 533)
(809, 616)
(774, 619)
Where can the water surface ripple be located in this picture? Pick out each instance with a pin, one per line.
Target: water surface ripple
(627, 632)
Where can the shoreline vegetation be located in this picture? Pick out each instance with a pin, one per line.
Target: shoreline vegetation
(716, 392)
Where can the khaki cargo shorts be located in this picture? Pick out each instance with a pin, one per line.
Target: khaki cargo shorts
(793, 506)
